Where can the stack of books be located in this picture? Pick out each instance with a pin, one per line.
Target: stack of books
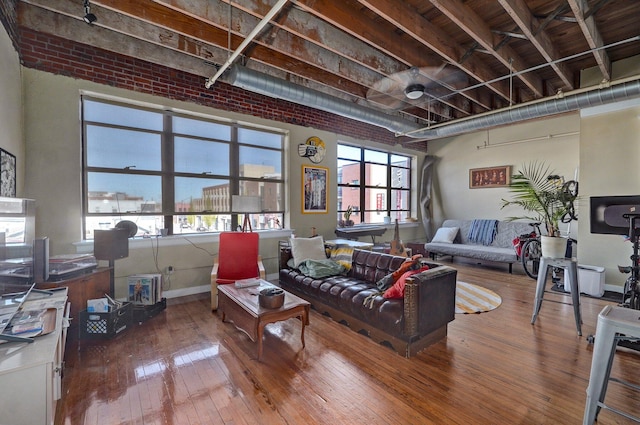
(145, 289)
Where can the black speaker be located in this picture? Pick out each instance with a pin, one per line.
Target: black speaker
(110, 244)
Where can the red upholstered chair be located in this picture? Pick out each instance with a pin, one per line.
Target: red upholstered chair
(237, 259)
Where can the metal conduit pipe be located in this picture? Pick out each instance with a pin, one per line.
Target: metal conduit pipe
(268, 85)
(596, 97)
(274, 87)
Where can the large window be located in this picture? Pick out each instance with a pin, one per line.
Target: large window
(374, 184)
(164, 170)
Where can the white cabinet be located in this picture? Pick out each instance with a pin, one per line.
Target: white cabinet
(31, 373)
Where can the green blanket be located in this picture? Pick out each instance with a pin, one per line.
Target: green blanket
(321, 268)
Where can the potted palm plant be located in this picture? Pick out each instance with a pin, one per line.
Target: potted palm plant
(546, 198)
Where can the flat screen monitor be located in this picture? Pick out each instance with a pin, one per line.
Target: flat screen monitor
(607, 214)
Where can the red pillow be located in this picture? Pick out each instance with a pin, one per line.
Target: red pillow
(397, 290)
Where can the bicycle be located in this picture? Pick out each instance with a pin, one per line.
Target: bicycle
(631, 291)
(531, 252)
(530, 244)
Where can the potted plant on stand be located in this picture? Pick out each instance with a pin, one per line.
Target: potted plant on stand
(548, 199)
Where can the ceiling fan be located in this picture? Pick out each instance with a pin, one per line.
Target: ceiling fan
(416, 85)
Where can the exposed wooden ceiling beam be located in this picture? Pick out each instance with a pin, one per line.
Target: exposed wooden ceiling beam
(588, 26)
(472, 24)
(522, 16)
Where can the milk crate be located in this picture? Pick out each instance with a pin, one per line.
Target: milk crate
(105, 325)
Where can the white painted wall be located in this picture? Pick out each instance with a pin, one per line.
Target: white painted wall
(11, 138)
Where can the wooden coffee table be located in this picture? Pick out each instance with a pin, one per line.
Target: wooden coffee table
(240, 306)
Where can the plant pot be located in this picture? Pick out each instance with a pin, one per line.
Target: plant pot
(553, 247)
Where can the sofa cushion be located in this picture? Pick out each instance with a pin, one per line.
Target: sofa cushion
(307, 249)
(445, 235)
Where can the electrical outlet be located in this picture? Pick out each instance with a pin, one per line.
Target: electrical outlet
(169, 270)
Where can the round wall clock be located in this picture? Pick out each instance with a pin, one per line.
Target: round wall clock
(314, 149)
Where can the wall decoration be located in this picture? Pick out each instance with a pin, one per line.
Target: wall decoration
(314, 149)
(7, 174)
(490, 177)
(315, 183)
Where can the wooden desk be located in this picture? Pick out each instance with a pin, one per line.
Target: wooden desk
(357, 231)
(240, 305)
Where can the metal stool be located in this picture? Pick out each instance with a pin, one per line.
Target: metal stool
(571, 264)
(614, 324)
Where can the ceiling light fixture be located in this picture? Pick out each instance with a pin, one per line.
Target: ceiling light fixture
(88, 17)
(414, 91)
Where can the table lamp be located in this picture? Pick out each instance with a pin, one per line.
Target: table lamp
(246, 205)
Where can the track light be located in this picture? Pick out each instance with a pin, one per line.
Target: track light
(89, 17)
(414, 91)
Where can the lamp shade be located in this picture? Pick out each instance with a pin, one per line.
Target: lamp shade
(246, 204)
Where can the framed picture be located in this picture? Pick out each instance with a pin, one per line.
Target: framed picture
(490, 177)
(315, 182)
(7, 174)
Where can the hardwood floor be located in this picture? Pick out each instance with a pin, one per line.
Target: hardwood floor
(185, 366)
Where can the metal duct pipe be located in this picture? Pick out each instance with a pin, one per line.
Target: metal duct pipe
(274, 87)
(596, 97)
(268, 85)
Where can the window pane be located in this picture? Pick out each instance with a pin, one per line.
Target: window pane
(115, 148)
(194, 194)
(350, 197)
(349, 152)
(201, 128)
(401, 161)
(270, 192)
(260, 138)
(148, 225)
(348, 172)
(376, 156)
(399, 177)
(201, 156)
(121, 193)
(258, 163)
(201, 223)
(399, 200)
(376, 175)
(121, 115)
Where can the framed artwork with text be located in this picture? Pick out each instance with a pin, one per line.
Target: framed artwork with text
(499, 176)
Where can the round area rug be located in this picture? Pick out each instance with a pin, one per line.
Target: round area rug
(472, 298)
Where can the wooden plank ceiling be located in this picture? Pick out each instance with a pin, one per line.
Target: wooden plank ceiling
(470, 56)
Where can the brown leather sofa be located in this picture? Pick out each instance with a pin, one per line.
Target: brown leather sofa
(406, 325)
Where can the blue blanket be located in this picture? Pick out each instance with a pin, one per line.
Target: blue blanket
(483, 231)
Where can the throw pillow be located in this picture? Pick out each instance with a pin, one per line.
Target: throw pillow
(445, 234)
(397, 290)
(307, 249)
(384, 283)
(342, 255)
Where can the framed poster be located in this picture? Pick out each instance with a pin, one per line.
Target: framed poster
(490, 177)
(7, 174)
(315, 181)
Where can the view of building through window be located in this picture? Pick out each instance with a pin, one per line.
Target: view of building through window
(374, 184)
(162, 170)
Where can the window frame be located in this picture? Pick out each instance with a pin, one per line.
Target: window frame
(363, 186)
(169, 209)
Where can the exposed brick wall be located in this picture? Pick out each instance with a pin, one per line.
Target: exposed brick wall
(76, 60)
(9, 19)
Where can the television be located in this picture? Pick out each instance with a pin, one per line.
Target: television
(607, 214)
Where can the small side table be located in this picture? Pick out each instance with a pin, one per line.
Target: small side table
(571, 265)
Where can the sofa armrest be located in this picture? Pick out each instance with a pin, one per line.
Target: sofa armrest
(429, 300)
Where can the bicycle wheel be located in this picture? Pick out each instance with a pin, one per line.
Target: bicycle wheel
(530, 257)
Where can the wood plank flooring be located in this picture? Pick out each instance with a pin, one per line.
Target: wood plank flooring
(185, 366)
